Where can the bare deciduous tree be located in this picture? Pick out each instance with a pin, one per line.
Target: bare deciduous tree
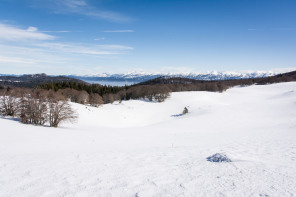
(60, 111)
(95, 100)
(76, 96)
(82, 97)
(108, 98)
(9, 103)
(33, 107)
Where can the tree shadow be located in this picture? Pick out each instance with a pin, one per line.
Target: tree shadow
(11, 118)
(177, 115)
(19, 121)
(147, 100)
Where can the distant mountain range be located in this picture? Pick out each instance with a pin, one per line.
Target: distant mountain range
(128, 78)
(141, 77)
(284, 77)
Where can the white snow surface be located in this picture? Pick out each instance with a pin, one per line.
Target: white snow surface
(140, 148)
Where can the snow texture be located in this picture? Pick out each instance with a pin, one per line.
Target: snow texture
(138, 148)
(218, 157)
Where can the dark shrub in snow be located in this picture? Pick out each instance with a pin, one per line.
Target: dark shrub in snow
(218, 157)
(185, 111)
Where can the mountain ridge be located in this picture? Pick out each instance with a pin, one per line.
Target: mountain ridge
(143, 76)
(139, 77)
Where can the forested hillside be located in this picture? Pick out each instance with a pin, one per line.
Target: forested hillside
(31, 81)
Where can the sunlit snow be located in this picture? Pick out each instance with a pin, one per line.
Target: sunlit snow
(139, 148)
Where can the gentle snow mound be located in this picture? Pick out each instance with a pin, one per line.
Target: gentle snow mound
(218, 157)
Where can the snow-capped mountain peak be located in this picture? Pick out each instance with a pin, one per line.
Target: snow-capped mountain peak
(141, 76)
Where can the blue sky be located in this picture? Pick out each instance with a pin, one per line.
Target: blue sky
(118, 36)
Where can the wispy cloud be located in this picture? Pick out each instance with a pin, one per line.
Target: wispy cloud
(74, 3)
(6, 59)
(18, 54)
(31, 48)
(60, 31)
(119, 31)
(115, 47)
(84, 49)
(98, 39)
(80, 7)
(11, 33)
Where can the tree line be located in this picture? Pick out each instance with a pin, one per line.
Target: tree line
(89, 88)
(96, 95)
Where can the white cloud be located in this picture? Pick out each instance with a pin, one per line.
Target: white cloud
(74, 3)
(60, 31)
(93, 52)
(80, 7)
(5, 59)
(119, 31)
(30, 48)
(29, 54)
(32, 29)
(10, 33)
(115, 47)
(38, 41)
(98, 39)
(84, 49)
(55, 57)
(107, 15)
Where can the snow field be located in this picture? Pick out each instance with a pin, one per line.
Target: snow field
(139, 148)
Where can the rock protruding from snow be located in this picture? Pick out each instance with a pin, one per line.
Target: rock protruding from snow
(218, 157)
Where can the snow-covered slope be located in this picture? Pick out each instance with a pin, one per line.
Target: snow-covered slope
(140, 148)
